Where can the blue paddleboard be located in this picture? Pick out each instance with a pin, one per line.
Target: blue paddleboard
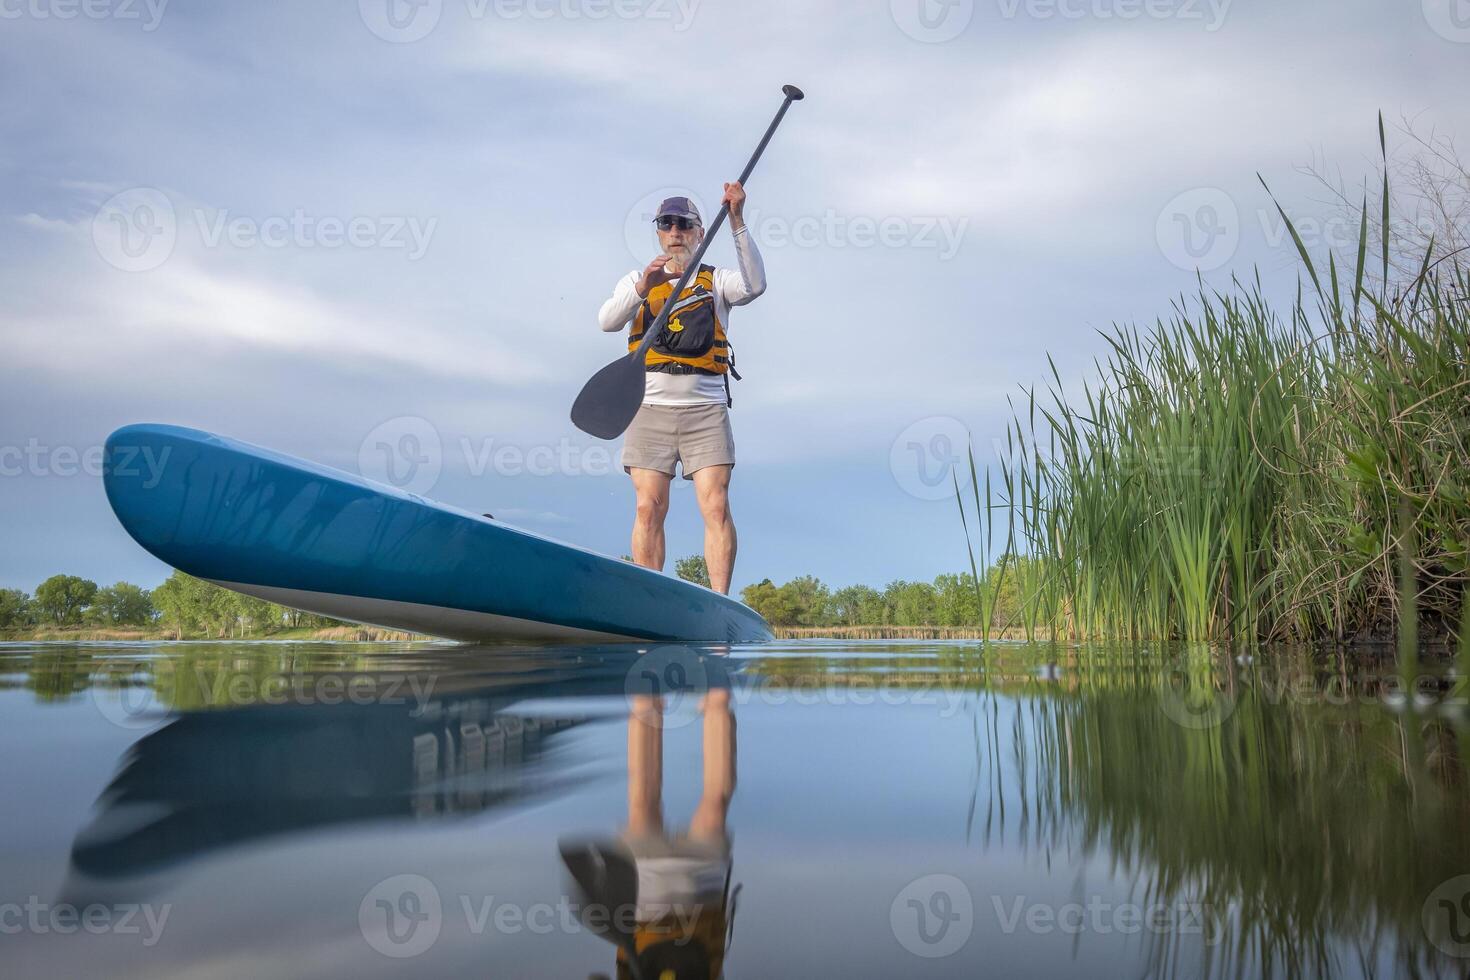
(319, 539)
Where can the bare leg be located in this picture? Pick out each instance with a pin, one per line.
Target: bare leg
(652, 490)
(712, 488)
(708, 822)
(645, 766)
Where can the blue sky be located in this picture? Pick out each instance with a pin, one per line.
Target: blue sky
(327, 226)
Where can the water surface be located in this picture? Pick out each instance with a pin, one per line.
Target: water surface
(809, 809)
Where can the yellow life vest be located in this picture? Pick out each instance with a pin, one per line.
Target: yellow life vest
(693, 341)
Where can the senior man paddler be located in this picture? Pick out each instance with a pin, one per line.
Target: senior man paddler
(685, 419)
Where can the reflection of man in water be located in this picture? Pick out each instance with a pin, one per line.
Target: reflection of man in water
(683, 877)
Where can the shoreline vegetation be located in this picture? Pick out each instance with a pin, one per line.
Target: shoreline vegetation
(68, 607)
(1243, 474)
(71, 608)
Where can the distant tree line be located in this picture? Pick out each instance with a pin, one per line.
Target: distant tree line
(950, 600)
(183, 604)
(190, 606)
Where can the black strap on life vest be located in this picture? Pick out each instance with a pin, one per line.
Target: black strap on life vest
(730, 351)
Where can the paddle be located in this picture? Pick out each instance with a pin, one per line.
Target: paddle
(612, 397)
(608, 881)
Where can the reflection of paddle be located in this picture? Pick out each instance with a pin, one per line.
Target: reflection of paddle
(612, 397)
(608, 880)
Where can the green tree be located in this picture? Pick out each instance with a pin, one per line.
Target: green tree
(913, 603)
(61, 598)
(1004, 589)
(175, 604)
(256, 615)
(123, 604)
(804, 602)
(956, 603)
(854, 605)
(693, 569)
(767, 600)
(219, 610)
(15, 608)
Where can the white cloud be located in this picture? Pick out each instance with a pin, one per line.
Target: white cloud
(77, 309)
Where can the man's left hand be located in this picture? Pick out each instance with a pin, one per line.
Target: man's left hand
(735, 197)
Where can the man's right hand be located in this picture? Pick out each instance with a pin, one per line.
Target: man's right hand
(654, 275)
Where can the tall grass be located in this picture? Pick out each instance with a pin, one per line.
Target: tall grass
(1237, 473)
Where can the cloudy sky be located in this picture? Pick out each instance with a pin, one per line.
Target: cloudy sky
(335, 226)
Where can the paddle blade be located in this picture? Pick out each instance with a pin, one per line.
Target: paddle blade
(608, 402)
(607, 879)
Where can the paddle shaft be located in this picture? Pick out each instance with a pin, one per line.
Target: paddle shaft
(792, 94)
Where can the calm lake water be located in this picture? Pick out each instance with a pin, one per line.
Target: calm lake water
(804, 810)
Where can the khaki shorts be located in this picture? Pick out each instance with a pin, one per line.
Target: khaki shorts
(694, 435)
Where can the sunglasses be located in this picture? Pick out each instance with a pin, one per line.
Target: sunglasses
(671, 221)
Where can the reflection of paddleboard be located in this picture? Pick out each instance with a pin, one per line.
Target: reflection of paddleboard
(322, 540)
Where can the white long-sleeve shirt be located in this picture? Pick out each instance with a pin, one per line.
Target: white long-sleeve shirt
(733, 287)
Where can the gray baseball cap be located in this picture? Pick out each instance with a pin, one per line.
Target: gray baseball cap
(679, 207)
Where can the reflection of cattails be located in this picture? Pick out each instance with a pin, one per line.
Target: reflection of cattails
(1271, 823)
